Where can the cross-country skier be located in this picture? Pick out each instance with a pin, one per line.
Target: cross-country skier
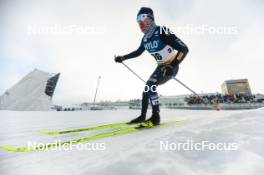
(167, 49)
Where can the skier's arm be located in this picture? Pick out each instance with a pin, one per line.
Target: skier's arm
(169, 38)
(135, 53)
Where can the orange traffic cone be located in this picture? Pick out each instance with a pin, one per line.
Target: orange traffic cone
(218, 107)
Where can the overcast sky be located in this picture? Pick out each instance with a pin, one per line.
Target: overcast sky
(225, 39)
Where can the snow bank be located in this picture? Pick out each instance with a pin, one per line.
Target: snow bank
(137, 153)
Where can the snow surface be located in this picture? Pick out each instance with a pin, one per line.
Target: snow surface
(135, 153)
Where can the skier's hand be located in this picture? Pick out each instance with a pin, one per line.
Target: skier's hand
(119, 59)
(168, 71)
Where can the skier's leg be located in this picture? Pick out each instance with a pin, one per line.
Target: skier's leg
(144, 102)
(161, 78)
(157, 78)
(144, 108)
(150, 93)
(153, 96)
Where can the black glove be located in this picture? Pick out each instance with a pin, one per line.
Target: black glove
(168, 71)
(119, 59)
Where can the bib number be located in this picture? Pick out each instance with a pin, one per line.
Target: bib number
(157, 56)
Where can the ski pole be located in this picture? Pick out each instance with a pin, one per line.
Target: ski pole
(133, 72)
(173, 78)
(188, 88)
(98, 80)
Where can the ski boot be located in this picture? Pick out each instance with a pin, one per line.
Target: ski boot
(139, 119)
(154, 119)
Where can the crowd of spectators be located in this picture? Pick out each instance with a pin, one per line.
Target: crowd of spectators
(219, 98)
